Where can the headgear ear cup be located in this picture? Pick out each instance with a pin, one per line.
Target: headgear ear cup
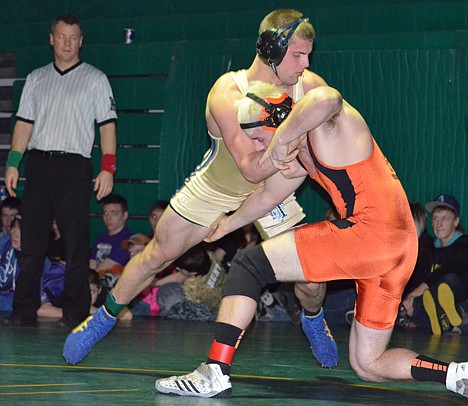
(272, 44)
(276, 110)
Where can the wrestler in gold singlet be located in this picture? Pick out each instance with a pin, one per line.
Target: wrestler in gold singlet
(217, 186)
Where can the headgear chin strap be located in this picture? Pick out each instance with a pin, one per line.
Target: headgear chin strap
(272, 44)
(276, 110)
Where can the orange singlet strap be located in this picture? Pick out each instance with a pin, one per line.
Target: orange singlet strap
(222, 352)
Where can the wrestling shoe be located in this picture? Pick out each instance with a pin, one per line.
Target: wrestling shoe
(207, 381)
(320, 339)
(447, 302)
(84, 337)
(439, 320)
(457, 378)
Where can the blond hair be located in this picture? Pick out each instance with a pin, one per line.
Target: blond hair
(249, 110)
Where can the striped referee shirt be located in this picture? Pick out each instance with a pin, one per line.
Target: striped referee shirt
(63, 107)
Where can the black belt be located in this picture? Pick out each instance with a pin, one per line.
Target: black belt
(51, 153)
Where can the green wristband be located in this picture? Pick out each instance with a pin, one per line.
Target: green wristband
(14, 158)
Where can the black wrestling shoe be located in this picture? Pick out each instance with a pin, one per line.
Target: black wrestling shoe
(15, 321)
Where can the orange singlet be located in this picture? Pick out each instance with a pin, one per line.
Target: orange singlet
(374, 243)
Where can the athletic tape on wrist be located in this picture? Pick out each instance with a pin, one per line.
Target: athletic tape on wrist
(109, 163)
(221, 352)
(14, 158)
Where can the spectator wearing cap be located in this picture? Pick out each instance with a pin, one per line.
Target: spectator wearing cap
(135, 244)
(441, 300)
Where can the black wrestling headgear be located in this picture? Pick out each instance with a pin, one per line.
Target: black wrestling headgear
(272, 44)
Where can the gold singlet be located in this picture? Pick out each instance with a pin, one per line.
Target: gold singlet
(217, 186)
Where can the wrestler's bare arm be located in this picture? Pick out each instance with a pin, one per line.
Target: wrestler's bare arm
(317, 106)
(222, 122)
(311, 80)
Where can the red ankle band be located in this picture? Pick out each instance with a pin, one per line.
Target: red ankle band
(222, 352)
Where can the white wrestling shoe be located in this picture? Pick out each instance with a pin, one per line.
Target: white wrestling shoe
(457, 378)
(207, 381)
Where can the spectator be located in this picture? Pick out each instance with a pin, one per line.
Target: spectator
(425, 242)
(11, 207)
(60, 104)
(9, 267)
(135, 244)
(108, 255)
(439, 300)
(49, 310)
(193, 292)
(156, 211)
(53, 273)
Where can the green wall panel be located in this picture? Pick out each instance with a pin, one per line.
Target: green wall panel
(402, 63)
(184, 138)
(413, 100)
(139, 93)
(133, 163)
(104, 21)
(144, 128)
(415, 104)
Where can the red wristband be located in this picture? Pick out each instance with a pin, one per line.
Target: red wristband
(109, 163)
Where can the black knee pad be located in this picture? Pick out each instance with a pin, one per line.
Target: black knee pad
(249, 273)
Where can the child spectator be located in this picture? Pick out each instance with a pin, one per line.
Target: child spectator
(53, 274)
(9, 267)
(156, 211)
(98, 295)
(193, 292)
(440, 300)
(135, 244)
(11, 207)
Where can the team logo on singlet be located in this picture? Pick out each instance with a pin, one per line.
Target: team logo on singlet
(278, 213)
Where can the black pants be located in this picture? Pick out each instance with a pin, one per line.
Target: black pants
(57, 186)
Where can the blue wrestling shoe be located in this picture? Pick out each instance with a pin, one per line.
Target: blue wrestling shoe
(320, 339)
(85, 336)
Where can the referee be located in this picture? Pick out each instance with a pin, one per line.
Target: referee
(59, 106)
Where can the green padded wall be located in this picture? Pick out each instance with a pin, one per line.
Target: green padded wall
(414, 101)
(402, 63)
(103, 21)
(184, 139)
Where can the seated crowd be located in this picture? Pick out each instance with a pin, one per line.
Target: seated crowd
(435, 298)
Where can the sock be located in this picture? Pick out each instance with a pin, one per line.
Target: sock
(112, 307)
(311, 315)
(227, 339)
(427, 369)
